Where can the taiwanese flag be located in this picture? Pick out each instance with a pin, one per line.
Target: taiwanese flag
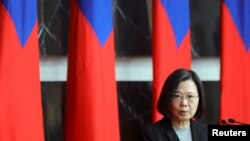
(171, 42)
(235, 60)
(91, 97)
(21, 117)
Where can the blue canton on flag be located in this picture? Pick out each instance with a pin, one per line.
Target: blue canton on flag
(178, 13)
(24, 15)
(240, 11)
(99, 15)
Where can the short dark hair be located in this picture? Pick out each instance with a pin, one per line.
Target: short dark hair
(170, 86)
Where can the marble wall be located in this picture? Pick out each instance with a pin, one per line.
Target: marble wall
(132, 38)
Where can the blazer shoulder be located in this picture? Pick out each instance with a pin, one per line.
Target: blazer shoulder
(154, 130)
(199, 131)
(200, 125)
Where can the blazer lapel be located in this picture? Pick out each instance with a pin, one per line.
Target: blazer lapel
(172, 135)
(169, 131)
(196, 133)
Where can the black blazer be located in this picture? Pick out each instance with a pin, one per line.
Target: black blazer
(163, 131)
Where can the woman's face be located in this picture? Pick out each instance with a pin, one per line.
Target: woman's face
(184, 102)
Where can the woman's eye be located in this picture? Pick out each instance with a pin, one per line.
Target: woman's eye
(177, 96)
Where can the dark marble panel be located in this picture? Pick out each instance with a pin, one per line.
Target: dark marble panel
(135, 102)
(53, 27)
(53, 94)
(205, 18)
(132, 28)
(212, 100)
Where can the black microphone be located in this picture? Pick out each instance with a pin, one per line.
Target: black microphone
(224, 122)
(230, 120)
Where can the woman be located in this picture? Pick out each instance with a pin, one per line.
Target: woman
(181, 103)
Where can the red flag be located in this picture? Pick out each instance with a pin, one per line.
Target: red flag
(21, 116)
(235, 60)
(171, 42)
(91, 99)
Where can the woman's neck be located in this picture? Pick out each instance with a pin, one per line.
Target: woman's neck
(181, 124)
